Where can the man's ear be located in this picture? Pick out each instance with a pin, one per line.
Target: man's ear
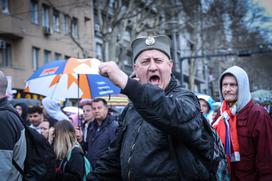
(133, 74)
(171, 63)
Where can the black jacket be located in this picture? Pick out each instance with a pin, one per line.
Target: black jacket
(12, 142)
(142, 149)
(72, 170)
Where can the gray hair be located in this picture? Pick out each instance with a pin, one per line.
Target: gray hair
(3, 84)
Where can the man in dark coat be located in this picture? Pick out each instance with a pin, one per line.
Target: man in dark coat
(101, 132)
(161, 114)
(245, 128)
(12, 139)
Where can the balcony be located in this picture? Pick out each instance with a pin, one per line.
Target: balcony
(11, 27)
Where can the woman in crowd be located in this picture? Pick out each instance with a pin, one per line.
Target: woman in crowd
(206, 105)
(68, 152)
(22, 109)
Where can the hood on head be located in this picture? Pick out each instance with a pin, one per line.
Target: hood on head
(208, 99)
(243, 86)
(210, 102)
(53, 109)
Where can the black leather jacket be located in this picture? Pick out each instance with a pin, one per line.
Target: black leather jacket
(142, 151)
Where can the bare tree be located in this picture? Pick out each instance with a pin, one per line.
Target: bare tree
(132, 17)
(212, 26)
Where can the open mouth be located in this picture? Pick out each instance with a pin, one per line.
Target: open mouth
(154, 79)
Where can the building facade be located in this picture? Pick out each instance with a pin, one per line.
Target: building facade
(35, 32)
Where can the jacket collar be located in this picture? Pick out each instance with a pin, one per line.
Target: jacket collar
(3, 101)
(105, 122)
(243, 114)
(172, 85)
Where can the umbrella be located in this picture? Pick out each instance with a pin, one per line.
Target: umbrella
(74, 78)
(262, 96)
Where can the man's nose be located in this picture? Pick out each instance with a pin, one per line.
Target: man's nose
(152, 66)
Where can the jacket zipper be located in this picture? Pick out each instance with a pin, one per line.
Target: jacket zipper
(131, 151)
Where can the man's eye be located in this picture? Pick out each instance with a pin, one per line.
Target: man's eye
(158, 61)
(144, 62)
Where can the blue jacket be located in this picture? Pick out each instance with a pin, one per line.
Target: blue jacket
(100, 137)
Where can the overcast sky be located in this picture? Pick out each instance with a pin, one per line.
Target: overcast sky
(267, 4)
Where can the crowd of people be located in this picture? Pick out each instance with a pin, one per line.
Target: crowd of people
(136, 146)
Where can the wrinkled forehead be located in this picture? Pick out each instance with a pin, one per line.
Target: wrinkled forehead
(229, 77)
(152, 53)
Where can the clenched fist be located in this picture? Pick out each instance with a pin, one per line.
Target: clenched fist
(114, 73)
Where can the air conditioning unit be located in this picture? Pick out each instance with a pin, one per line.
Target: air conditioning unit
(3, 44)
(47, 31)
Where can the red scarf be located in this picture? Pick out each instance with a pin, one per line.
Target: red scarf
(226, 128)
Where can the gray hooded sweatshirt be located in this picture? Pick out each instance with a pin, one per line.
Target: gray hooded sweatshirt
(241, 77)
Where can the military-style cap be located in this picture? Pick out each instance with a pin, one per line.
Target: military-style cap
(160, 42)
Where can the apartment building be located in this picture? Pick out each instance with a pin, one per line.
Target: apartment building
(35, 32)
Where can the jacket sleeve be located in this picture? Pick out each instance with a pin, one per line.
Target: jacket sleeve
(172, 114)
(262, 137)
(112, 132)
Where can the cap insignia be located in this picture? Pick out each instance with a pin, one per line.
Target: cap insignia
(150, 41)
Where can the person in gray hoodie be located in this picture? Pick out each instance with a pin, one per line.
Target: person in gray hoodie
(52, 111)
(12, 139)
(244, 128)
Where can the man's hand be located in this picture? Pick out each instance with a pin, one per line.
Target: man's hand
(51, 135)
(114, 73)
(79, 134)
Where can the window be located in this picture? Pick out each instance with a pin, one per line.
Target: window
(5, 54)
(45, 16)
(35, 58)
(66, 57)
(56, 21)
(98, 51)
(75, 27)
(5, 8)
(57, 56)
(34, 12)
(47, 56)
(66, 24)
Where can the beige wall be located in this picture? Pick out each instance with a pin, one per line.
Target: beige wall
(22, 34)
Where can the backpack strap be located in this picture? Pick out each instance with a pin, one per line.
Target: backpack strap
(87, 165)
(70, 152)
(17, 167)
(68, 157)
